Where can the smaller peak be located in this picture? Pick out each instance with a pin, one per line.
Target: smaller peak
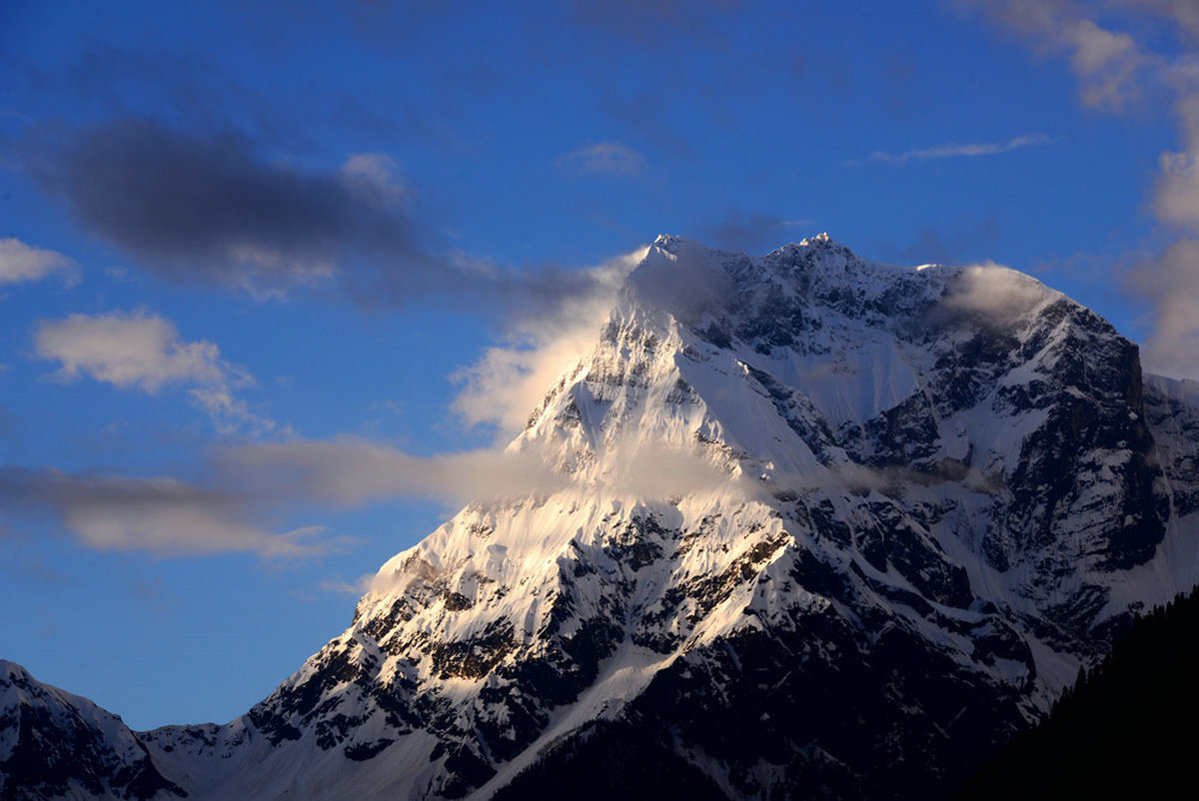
(10, 670)
(818, 246)
(668, 243)
(820, 240)
(669, 240)
(672, 243)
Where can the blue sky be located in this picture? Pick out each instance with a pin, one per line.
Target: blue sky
(278, 277)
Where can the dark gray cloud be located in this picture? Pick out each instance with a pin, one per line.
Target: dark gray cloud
(381, 23)
(188, 89)
(183, 86)
(648, 21)
(213, 210)
(648, 116)
(964, 242)
(754, 233)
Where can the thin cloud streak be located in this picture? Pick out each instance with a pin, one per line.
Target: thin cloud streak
(955, 150)
(605, 158)
(357, 588)
(351, 472)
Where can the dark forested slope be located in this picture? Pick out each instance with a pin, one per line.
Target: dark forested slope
(1129, 728)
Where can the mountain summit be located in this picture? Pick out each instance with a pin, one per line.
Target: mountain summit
(826, 528)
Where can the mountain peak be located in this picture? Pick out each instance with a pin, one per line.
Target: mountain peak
(821, 240)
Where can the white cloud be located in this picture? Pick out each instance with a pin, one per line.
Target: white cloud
(22, 262)
(504, 386)
(374, 174)
(1105, 63)
(955, 150)
(144, 352)
(1171, 283)
(135, 350)
(1177, 200)
(1000, 294)
(612, 158)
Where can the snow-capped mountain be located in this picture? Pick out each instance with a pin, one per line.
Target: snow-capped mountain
(827, 528)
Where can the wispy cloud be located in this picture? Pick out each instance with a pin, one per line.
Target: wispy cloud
(504, 385)
(956, 150)
(160, 515)
(239, 487)
(605, 158)
(652, 116)
(144, 352)
(356, 588)
(21, 262)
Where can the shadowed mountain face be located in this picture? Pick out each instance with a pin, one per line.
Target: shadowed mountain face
(56, 745)
(825, 529)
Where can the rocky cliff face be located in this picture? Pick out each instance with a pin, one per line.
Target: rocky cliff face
(826, 528)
